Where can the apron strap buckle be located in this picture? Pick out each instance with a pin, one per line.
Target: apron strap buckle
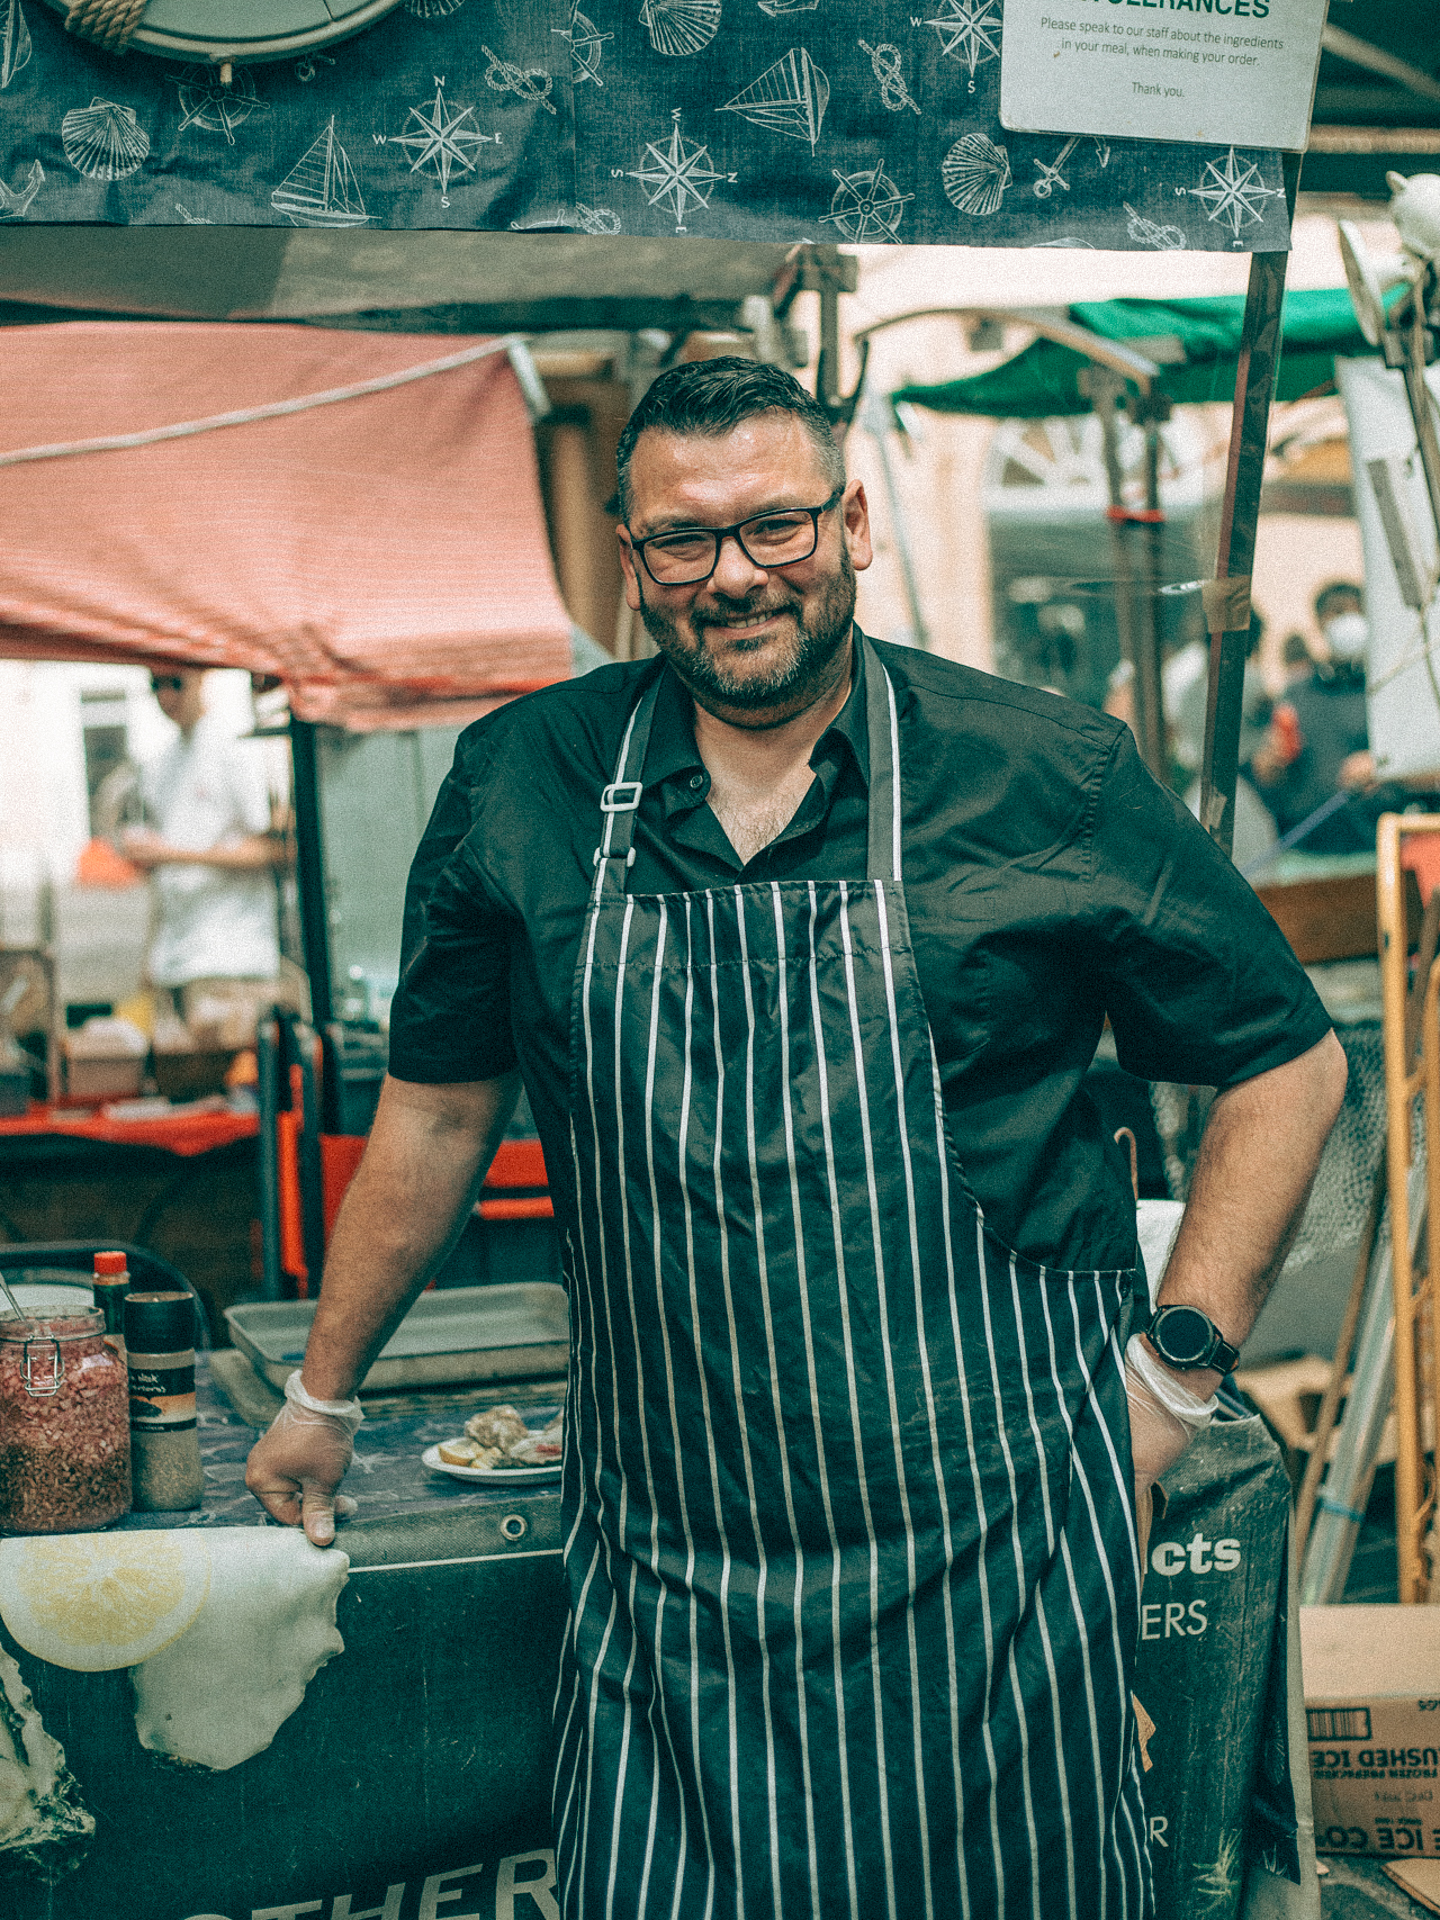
(620, 798)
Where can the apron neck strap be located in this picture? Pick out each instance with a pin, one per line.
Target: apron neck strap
(620, 801)
(883, 722)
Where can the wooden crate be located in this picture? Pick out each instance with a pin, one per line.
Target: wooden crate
(1333, 919)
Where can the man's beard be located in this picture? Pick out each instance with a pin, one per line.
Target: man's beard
(819, 636)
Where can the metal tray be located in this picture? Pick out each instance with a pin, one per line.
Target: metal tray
(452, 1335)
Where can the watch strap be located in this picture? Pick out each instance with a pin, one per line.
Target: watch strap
(1219, 1354)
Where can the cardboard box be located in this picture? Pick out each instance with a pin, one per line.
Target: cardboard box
(1372, 1711)
(112, 1077)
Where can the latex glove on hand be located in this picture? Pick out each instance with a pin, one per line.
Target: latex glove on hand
(298, 1462)
(1164, 1419)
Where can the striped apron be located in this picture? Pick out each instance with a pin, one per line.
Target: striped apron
(849, 1523)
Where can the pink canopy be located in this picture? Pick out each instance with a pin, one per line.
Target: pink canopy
(384, 554)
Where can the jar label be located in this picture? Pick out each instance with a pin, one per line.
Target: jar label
(163, 1397)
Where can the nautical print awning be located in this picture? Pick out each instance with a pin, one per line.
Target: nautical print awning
(777, 120)
(384, 553)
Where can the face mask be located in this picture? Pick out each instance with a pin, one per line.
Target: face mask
(1347, 634)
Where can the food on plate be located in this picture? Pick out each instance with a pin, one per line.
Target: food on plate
(539, 1449)
(468, 1453)
(496, 1427)
(499, 1439)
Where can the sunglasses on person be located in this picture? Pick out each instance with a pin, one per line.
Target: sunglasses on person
(166, 682)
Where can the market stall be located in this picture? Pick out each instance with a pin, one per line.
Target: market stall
(974, 172)
(436, 1614)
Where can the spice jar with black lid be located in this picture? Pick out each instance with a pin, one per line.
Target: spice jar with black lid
(64, 1424)
(164, 1439)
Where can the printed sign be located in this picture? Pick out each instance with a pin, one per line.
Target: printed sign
(521, 1886)
(1213, 71)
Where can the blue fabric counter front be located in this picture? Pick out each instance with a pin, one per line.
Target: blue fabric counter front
(411, 1783)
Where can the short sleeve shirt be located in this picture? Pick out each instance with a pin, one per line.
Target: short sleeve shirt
(209, 790)
(1049, 880)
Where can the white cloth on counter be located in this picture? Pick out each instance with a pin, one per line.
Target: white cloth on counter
(235, 1623)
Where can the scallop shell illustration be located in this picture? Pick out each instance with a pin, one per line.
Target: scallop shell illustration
(678, 27)
(433, 9)
(976, 173)
(104, 141)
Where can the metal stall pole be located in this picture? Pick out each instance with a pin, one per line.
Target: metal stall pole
(1409, 350)
(310, 887)
(875, 418)
(1227, 596)
(1148, 412)
(269, 1054)
(1135, 615)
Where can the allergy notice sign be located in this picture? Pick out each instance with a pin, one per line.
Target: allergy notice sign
(1236, 72)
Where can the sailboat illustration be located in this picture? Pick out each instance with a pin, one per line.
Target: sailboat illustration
(15, 47)
(789, 98)
(320, 190)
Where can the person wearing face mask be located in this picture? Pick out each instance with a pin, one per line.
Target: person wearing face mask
(1319, 741)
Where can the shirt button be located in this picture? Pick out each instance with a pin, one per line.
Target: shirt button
(697, 781)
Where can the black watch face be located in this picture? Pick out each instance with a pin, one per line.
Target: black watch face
(1182, 1335)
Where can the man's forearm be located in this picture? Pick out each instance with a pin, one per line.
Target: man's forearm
(249, 853)
(428, 1152)
(1257, 1161)
(253, 854)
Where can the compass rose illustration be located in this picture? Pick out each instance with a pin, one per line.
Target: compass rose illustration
(587, 46)
(969, 32)
(866, 205)
(1233, 192)
(205, 102)
(442, 138)
(679, 172)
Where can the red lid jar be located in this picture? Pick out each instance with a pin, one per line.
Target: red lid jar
(64, 1424)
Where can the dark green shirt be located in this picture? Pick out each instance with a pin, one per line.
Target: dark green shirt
(1049, 881)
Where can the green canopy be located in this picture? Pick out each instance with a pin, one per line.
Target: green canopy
(1042, 381)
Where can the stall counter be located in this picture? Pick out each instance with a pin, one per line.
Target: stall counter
(416, 1769)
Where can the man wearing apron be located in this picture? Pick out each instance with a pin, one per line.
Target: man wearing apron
(802, 946)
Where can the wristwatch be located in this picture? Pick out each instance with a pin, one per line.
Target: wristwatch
(1189, 1340)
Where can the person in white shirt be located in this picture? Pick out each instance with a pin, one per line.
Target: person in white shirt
(210, 854)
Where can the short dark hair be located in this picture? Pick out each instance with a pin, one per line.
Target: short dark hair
(710, 398)
(1332, 593)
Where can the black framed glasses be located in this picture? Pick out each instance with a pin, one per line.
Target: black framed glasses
(685, 556)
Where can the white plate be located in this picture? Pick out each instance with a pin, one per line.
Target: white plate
(501, 1476)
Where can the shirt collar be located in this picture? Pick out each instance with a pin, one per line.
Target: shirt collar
(673, 760)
